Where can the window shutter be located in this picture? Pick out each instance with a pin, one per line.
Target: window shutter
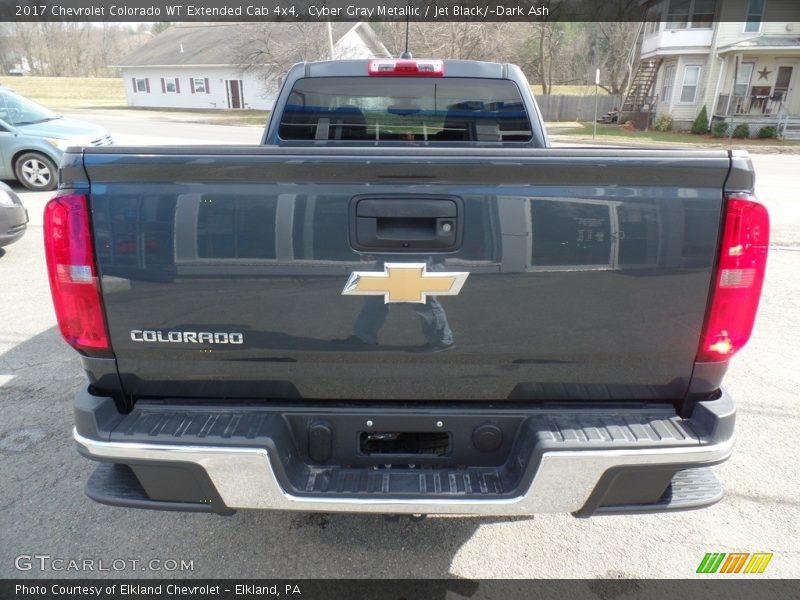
(207, 90)
(177, 85)
(163, 86)
(191, 83)
(147, 85)
(133, 79)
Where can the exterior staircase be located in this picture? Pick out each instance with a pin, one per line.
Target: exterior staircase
(641, 85)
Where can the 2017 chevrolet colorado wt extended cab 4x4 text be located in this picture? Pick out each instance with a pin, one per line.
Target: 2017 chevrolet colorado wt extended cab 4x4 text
(405, 301)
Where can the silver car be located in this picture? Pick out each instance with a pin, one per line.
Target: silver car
(33, 138)
(13, 216)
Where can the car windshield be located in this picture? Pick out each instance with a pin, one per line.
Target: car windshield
(16, 110)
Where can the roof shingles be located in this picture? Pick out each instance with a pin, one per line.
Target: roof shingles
(203, 44)
(765, 41)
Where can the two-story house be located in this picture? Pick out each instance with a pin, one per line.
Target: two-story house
(738, 58)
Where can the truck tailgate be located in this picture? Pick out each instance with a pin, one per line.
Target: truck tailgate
(222, 272)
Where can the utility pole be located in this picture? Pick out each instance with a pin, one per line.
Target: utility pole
(596, 85)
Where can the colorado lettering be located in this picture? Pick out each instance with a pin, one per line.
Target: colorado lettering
(186, 337)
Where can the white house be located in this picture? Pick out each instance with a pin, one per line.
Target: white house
(194, 66)
(738, 58)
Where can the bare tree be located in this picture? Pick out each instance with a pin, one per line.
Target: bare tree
(567, 53)
(62, 49)
(544, 59)
(270, 49)
(456, 40)
(23, 43)
(160, 26)
(606, 46)
(7, 54)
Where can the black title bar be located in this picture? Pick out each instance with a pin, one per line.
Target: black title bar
(310, 10)
(313, 10)
(734, 588)
(350, 10)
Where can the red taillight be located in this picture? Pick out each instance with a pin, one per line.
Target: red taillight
(388, 67)
(738, 280)
(73, 273)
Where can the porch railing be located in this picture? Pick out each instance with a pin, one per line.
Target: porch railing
(783, 121)
(645, 104)
(755, 106)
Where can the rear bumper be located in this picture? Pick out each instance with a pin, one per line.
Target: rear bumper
(581, 460)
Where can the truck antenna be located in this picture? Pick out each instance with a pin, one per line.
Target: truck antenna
(406, 54)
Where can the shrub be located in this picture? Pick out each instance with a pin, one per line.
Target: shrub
(741, 131)
(720, 129)
(663, 123)
(768, 131)
(700, 124)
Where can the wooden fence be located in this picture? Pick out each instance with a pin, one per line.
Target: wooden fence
(575, 108)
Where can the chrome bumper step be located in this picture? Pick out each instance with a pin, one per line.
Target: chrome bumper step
(588, 460)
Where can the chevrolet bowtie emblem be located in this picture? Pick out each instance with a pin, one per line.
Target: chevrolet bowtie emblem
(404, 282)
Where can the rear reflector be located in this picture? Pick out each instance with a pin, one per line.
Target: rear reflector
(406, 68)
(73, 274)
(738, 280)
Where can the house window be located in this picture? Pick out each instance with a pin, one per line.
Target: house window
(141, 84)
(199, 85)
(678, 14)
(755, 12)
(691, 79)
(690, 14)
(703, 14)
(667, 84)
(653, 17)
(170, 85)
(743, 76)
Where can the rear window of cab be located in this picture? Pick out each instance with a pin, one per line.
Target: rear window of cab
(404, 109)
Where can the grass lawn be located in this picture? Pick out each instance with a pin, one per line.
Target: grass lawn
(65, 93)
(615, 133)
(204, 115)
(569, 90)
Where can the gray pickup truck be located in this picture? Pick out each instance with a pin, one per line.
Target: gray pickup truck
(405, 301)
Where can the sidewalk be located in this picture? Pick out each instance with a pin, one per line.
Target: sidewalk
(238, 118)
(625, 142)
(558, 133)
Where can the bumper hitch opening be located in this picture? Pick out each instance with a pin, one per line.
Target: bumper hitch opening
(404, 442)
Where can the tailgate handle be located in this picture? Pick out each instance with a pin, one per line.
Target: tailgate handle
(406, 224)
